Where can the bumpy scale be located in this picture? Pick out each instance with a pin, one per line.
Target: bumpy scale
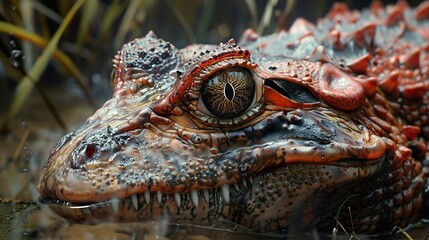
(279, 131)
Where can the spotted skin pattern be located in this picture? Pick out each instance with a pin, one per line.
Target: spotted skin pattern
(338, 117)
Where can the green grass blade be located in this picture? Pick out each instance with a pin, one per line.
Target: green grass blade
(87, 17)
(283, 18)
(113, 11)
(58, 55)
(205, 20)
(47, 12)
(27, 13)
(185, 24)
(26, 84)
(267, 16)
(127, 19)
(251, 6)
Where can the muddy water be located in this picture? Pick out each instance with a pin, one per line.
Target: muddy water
(24, 220)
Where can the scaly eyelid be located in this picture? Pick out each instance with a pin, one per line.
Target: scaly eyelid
(200, 112)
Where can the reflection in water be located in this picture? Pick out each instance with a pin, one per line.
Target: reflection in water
(24, 220)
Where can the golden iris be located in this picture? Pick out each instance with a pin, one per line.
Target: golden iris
(228, 93)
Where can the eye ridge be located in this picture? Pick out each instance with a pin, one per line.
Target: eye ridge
(228, 93)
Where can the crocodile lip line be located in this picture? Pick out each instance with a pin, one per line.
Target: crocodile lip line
(224, 195)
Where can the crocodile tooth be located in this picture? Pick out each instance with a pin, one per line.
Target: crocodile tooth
(251, 180)
(206, 195)
(178, 199)
(86, 211)
(236, 187)
(147, 197)
(93, 207)
(244, 183)
(159, 196)
(115, 205)
(135, 201)
(194, 197)
(225, 192)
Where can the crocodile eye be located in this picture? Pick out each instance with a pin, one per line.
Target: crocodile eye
(228, 93)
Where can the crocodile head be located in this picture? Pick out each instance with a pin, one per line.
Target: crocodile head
(229, 133)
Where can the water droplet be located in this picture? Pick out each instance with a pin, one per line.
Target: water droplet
(96, 78)
(15, 57)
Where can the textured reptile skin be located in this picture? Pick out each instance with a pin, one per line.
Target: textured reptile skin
(279, 131)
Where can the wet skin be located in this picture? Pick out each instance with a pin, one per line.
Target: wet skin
(276, 132)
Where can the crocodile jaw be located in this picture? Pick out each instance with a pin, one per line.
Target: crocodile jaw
(156, 170)
(251, 202)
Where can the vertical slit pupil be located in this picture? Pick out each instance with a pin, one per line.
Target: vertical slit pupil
(229, 92)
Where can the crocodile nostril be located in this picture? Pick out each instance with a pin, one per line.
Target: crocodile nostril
(97, 148)
(90, 150)
(83, 153)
